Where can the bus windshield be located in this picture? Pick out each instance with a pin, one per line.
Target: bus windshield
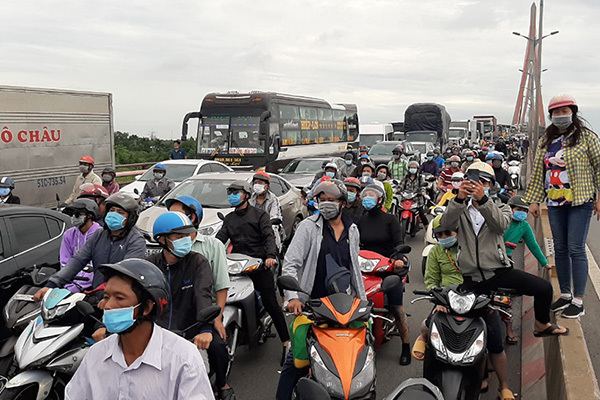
(231, 133)
(421, 136)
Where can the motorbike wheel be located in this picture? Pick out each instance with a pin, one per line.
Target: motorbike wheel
(231, 331)
(405, 229)
(20, 393)
(423, 265)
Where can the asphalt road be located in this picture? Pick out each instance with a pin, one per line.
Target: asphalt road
(255, 373)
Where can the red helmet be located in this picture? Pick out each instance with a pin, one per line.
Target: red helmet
(92, 190)
(352, 182)
(454, 159)
(262, 176)
(87, 160)
(562, 100)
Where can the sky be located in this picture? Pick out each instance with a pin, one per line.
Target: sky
(159, 58)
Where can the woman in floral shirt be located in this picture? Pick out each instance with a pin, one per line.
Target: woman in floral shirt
(566, 172)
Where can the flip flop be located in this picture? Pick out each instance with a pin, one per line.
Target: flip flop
(506, 394)
(549, 331)
(512, 340)
(419, 347)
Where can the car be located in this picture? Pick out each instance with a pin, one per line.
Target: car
(422, 148)
(300, 172)
(210, 190)
(178, 171)
(381, 153)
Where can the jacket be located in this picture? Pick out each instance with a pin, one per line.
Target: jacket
(583, 168)
(522, 230)
(250, 233)
(72, 241)
(301, 257)
(11, 199)
(479, 255)
(190, 290)
(354, 211)
(439, 270)
(101, 248)
(430, 167)
(91, 177)
(111, 188)
(154, 188)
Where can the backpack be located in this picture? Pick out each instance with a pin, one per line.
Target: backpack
(338, 279)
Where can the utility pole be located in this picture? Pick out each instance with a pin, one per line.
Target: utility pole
(538, 106)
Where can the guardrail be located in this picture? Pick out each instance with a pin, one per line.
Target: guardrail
(131, 171)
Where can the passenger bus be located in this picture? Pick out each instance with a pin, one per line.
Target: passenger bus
(265, 129)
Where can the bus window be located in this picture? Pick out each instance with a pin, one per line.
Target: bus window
(309, 125)
(340, 125)
(326, 125)
(289, 125)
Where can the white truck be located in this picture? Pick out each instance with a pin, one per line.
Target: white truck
(44, 133)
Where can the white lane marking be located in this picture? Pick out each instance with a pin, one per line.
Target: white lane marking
(593, 271)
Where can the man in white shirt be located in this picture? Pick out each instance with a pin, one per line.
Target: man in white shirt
(140, 360)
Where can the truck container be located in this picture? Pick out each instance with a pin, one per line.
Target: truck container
(428, 117)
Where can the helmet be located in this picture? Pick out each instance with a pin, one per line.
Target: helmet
(364, 157)
(87, 205)
(369, 164)
(454, 159)
(147, 275)
(383, 166)
(413, 163)
(494, 156)
(438, 227)
(352, 182)
(398, 149)
(159, 167)
(172, 222)
(470, 153)
(485, 171)
(562, 100)
(262, 176)
(191, 203)
(87, 160)
(332, 187)
(457, 177)
(437, 150)
(518, 201)
(6, 182)
(109, 170)
(127, 203)
(240, 185)
(430, 154)
(330, 165)
(374, 188)
(93, 190)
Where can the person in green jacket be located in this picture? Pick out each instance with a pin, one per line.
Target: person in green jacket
(383, 174)
(441, 270)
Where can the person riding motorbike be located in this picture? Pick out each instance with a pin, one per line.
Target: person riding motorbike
(86, 167)
(469, 160)
(325, 245)
(438, 158)
(380, 232)
(501, 146)
(514, 156)
(501, 175)
(108, 180)
(98, 194)
(7, 196)
(349, 167)
(265, 200)
(119, 240)
(398, 165)
(353, 208)
(366, 172)
(430, 166)
(383, 175)
(445, 180)
(141, 359)
(456, 181)
(330, 169)
(83, 213)
(413, 182)
(156, 188)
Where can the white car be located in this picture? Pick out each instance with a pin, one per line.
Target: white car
(178, 170)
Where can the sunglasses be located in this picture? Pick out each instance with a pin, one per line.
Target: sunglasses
(233, 191)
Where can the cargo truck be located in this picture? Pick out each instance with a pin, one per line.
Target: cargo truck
(427, 117)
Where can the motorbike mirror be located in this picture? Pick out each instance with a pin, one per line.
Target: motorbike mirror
(136, 191)
(221, 216)
(57, 198)
(209, 314)
(403, 248)
(276, 221)
(289, 283)
(85, 308)
(389, 283)
(395, 182)
(307, 389)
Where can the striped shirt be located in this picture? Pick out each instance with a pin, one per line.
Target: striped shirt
(398, 169)
(582, 163)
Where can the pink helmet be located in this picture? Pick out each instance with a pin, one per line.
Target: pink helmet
(562, 100)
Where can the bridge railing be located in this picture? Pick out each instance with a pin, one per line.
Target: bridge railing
(126, 173)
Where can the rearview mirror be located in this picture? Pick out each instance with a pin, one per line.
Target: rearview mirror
(289, 283)
(221, 216)
(85, 308)
(389, 283)
(307, 389)
(403, 248)
(209, 314)
(263, 127)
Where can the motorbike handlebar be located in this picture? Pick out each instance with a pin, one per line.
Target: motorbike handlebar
(422, 292)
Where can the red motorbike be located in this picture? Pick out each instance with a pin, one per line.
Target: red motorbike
(410, 221)
(375, 268)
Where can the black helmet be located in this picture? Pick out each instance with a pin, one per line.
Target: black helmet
(518, 201)
(88, 206)
(126, 202)
(332, 187)
(384, 166)
(398, 149)
(240, 185)
(148, 275)
(109, 170)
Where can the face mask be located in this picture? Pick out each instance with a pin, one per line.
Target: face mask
(4, 192)
(348, 162)
(456, 185)
(181, 247)
(454, 164)
(119, 319)
(486, 191)
(469, 158)
(84, 169)
(395, 156)
(329, 209)
(369, 203)
(412, 170)
(562, 122)
(107, 178)
(258, 188)
(367, 174)
(448, 242)
(78, 221)
(158, 175)
(235, 199)
(381, 177)
(363, 162)
(351, 197)
(114, 221)
(429, 158)
(520, 216)
(330, 174)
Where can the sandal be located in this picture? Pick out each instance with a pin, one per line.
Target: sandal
(506, 394)
(549, 331)
(512, 340)
(419, 347)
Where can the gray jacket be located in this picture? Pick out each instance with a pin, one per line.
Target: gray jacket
(154, 188)
(100, 249)
(301, 257)
(479, 255)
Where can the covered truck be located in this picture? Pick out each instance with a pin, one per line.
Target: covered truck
(427, 117)
(44, 133)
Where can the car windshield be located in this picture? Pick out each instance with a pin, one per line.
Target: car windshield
(420, 147)
(177, 172)
(303, 167)
(382, 149)
(369, 140)
(456, 133)
(210, 193)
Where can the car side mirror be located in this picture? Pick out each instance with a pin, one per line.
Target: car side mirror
(263, 127)
(279, 170)
(137, 177)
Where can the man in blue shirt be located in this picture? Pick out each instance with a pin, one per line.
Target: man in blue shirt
(178, 153)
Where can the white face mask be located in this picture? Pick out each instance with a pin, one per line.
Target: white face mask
(158, 175)
(258, 188)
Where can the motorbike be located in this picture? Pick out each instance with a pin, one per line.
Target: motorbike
(415, 389)
(514, 174)
(374, 267)
(431, 185)
(410, 221)
(342, 357)
(429, 239)
(51, 348)
(456, 356)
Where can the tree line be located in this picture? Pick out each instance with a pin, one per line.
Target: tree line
(131, 148)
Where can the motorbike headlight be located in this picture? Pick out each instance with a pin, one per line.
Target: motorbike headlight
(236, 267)
(366, 264)
(461, 304)
(363, 381)
(437, 343)
(210, 230)
(325, 377)
(52, 313)
(475, 349)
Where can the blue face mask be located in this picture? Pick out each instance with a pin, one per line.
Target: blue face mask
(114, 221)
(348, 162)
(469, 158)
(181, 247)
(448, 241)
(330, 174)
(429, 158)
(369, 203)
(119, 319)
(351, 197)
(235, 199)
(412, 170)
(520, 216)
(4, 191)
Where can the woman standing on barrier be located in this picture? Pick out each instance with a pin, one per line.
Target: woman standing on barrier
(566, 172)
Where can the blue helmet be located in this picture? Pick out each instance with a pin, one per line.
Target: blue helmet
(159, 167)
(6, 182)
(191, 203)
(172, 222)
(494, 156)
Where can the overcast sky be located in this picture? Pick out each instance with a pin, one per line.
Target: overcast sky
(159, 59)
